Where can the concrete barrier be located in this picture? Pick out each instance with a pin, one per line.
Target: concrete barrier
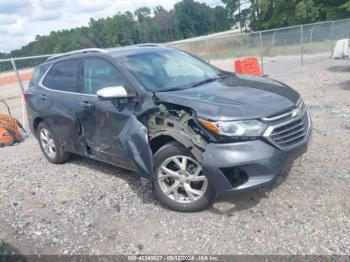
(9, 78)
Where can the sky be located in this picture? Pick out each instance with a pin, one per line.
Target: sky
(22, 20)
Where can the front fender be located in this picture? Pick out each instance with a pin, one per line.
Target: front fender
(134, 138)
(183, 140)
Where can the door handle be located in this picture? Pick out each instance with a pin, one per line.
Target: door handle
(43, 97)
(86, 105)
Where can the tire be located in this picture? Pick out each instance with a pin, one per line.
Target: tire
(52, 150)
(184, 186)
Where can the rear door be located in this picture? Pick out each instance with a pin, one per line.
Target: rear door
(58, 96)
(35, 103)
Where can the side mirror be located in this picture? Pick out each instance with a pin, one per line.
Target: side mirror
(111, 93)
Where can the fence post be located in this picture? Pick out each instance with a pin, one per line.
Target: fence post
(207, 49)
(274, 39)
(18, 77)
(332, 39)
(311, 35)
(261, 52)
(301, 46)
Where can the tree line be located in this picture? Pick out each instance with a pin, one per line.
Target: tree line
(269, 14)
(188, 18)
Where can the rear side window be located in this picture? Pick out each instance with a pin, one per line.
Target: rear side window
(38, 74)
(64, 76)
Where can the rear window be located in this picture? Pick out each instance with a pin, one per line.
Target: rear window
(63, 76)
(38, 74)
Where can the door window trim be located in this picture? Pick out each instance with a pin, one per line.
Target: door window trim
(59, 91)
(124, 79)
(129, 87)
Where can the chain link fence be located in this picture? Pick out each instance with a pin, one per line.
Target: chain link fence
(15, 74)
(303, 40)
(21, 63)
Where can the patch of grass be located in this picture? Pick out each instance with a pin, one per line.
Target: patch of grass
(235, 51)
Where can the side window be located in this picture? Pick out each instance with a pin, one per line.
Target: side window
(63, 76)
(48, 80)
(98, 74)
(38, 74)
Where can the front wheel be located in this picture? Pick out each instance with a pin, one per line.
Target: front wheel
(179, 180)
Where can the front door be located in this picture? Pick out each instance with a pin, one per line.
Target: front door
(102, 121)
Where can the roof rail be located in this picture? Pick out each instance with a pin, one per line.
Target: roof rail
(81, 51)
(149, 44)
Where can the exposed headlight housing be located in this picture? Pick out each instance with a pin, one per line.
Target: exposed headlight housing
(246, 128)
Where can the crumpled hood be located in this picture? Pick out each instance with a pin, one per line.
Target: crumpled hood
(235, 97)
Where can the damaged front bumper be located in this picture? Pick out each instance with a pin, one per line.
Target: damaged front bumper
(239, 167)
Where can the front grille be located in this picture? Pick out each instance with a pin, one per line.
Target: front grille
(288, 130)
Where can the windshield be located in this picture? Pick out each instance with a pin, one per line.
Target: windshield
(168, 69)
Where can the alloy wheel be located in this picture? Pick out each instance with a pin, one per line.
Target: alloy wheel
(181, 179)
(47, 142)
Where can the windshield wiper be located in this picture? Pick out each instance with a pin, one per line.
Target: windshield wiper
(208, 80)
(172, 89)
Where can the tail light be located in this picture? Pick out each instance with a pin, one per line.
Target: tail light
(25, 97)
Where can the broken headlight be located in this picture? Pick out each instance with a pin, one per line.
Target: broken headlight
(247, 128)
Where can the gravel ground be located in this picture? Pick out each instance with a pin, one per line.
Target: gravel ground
(86, 207)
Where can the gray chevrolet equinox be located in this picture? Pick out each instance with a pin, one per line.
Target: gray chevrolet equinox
(195, 132)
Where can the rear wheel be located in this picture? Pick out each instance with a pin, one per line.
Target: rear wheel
(179, 180)
(49, 145)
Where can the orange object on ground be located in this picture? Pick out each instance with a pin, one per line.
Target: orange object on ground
(249, 66)
(9, 129)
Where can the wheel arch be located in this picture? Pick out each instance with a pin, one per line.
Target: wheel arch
(36, 123)
(162, 138)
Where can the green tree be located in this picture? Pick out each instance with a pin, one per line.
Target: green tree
(346, 6)
(236, 13)
(165, 21)
(332, 10)
(261, 14)
(266, 14)
(142, 13)
(306, 12)
(221, 21)
(193, 18)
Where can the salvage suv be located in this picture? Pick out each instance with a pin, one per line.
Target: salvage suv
(194, 131)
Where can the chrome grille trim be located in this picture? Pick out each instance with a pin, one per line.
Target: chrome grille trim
(292, 139)
(300, 104)
(289, 132)
(271, 119)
